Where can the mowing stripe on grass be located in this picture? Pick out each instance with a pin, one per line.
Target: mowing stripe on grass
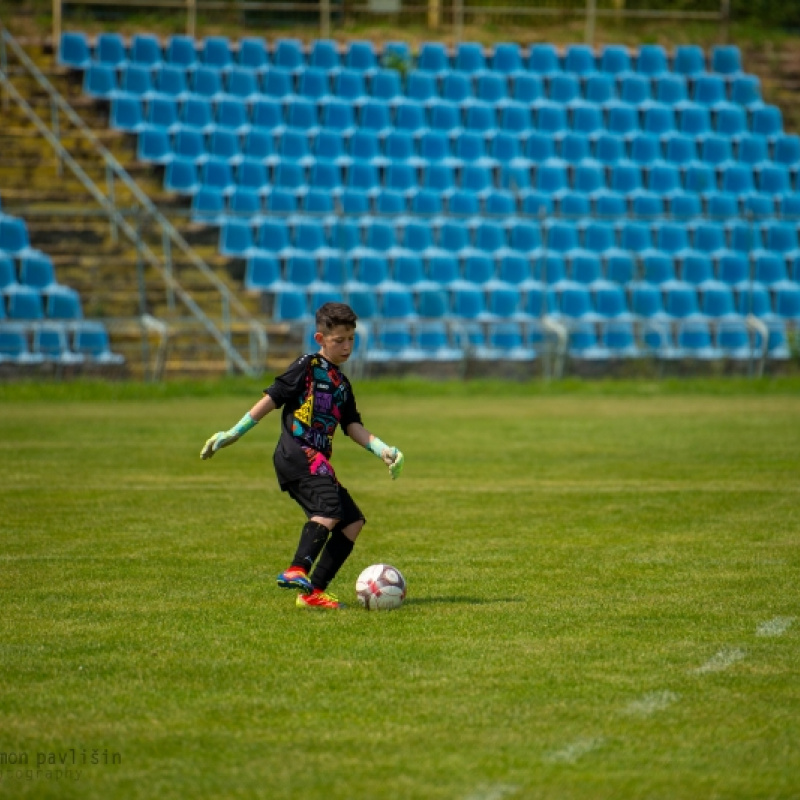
(775, 627)
(721, 661)
(496, 792)
(651, 702)
(570, 753)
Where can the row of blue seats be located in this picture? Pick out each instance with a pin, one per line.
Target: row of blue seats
(735, 250)
(417, 339)
(618, 339)
(35, 269)
(484, 291)
(158, 143)
(516, 268)
(552, 177)
(210, 205)
(554, 119)
(707, 90)
(29, 303)
(457, 237)
(76, 51)
(56, 343)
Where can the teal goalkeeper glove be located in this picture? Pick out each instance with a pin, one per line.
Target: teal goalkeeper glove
(224, 438)
(390, 456)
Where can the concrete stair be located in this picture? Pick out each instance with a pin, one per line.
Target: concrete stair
(67, 223)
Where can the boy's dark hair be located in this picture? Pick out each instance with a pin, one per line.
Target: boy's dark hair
(332, 314)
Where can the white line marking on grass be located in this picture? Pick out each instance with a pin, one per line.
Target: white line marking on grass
(497, 792)
(650, 703)
(721, 661)
(775, 627)
(570, 753)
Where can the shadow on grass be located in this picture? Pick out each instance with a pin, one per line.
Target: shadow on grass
(455, 600)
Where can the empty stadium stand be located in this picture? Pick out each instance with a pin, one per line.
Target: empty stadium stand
(646, 201)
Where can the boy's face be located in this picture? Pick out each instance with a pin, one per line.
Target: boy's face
(337, 344)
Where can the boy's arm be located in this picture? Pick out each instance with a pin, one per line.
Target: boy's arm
(390, 456)
(249, 420)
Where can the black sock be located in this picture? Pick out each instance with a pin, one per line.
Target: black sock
(312, 540)
(333, 556)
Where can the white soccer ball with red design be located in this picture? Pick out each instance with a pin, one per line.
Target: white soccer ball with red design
(381, 587)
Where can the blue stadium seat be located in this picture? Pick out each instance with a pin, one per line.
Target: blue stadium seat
(753, 298)
(726, 59)
(242, 83)
(469, 57)
(181, 50)
(746, 91)
(600, 89)
(551, 119)
(291, 305)
(171, 80)
(74, 50)
(696, 268)
(314, 84)
(645, 148)
(110, 50)
(587, 119)
(733, 268)
(543, 59)
(51, 342)
(579, 58)
(127, 114)
(216, 51)
(646, 300)
(145, 49)
(15, 346)
(154, 145)
(622, 120)
(287, 54)
(433, 57)
(767, 121)
(361, 55)
(716, 299)
(689, 60)
(671, 89)
(100, 81)
(493, 89)
(507, 58)
(694, 120)
(136, 79)
(266, 114)
(615, 60)
(652, 60)
(63, 303)
(609, 299)
(658, 267)
(564, 88)
(733, 339)
(635, 90)
(619, 340)
(620, 266)
(24, 303)
(694, 340)
(659, 119)
(252, 54)
(278, 82)
(324, 55)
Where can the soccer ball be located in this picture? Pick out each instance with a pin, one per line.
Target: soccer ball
(381, 587)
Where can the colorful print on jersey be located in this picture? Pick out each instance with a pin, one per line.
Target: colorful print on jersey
(319, 413)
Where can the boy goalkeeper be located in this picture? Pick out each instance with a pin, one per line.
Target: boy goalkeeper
(315, 397)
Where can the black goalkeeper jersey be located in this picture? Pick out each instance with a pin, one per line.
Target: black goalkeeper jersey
(315, 397)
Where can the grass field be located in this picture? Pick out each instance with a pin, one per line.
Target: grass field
(603, 598)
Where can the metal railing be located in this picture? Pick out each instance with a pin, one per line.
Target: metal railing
(145, 211)
(436, 14)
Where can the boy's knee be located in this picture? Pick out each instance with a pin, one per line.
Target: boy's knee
(353, 529)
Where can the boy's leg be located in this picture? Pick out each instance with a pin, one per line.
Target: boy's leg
(340, 544)
(312, 539)
(318, 496)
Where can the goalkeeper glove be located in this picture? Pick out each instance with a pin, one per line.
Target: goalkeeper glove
(390, 456)
(224, 438)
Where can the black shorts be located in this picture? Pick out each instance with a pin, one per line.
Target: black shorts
(322, 496)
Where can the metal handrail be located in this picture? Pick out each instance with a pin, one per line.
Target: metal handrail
(114, 170)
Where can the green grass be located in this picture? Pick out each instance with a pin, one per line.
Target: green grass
(588, 568)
